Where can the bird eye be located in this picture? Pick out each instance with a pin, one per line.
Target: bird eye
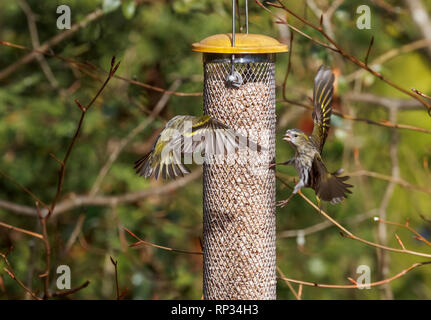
(295, 135)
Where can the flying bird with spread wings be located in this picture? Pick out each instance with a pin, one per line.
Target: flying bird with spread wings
(308, 157)
(187, 136)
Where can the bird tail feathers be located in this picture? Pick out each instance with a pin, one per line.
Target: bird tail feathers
(331, 186)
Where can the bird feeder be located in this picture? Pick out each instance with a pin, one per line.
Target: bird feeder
(239, 195)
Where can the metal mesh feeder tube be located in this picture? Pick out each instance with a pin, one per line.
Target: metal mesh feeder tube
(239, 192)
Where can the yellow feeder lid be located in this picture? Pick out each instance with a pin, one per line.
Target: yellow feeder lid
(244, 43)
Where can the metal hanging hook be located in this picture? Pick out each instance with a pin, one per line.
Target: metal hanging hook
(234, 79)
(246, 16)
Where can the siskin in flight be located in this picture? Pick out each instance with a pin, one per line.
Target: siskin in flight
(189, 135)
(307, 160)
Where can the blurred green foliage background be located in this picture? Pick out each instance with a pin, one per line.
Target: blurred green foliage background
(153, 41)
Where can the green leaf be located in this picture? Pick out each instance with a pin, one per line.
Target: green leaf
(129, 8)
(110, 5)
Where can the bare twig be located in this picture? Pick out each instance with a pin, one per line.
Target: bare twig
(31, 20)
(289, 66)
(75, 233)
(418, 236)
(383, 257)
(419, 44)
(421, 18)
(87, 68)
(71, 291)
(421, 94)
(396, 180)
(297, 295)
(355, 286)
(324, 225)
(115, 263)
(83, 200)
(125, 141)
(369, 50)
(146, 243)
(382, 123)
(31, 233)
(347, 234)
(11, 273)
(45, 276)
(386, 102)
(337, 48)
(25, 189)
(61, 173)
(51, 43)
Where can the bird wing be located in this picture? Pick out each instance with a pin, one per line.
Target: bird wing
(185, 137)
(211, 137)
(322, 101)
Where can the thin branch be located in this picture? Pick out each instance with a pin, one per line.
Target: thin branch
(125, 141)
(421, 18)
(369, 50)
(382, 123)
(415, 45)
(325, 225)
(75, 233)
(87, 67)
(31, 233)
(31, 20)
(421, 93)
(284, 21)
(25, 189)
(45, 276)
(406, 226)
(347, 234)
(357, 286)
(383, 257)
(76, 201)
(396, 180)
(112, 70)
(289, 66)
(386, 102)
(11, 274)
(115, 263)
(146, 243)
(50, 43)
(71, 291)
(335, 47)
(297, 296)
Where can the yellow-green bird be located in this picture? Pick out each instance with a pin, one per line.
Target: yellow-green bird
(307, 160)
(188, 136)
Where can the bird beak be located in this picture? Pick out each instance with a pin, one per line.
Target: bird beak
(287, 137)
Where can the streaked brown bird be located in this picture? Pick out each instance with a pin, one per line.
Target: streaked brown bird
(307, 160)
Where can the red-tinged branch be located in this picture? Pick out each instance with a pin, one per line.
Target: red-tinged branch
(87, 68)
(31, 233)
(347, 234)
(11, 274)
(296, 294)
(356, 285)
(146, 243)
(405, 226)
(71, 291)
(48, 44)
(382, 123)
(333, 45)
(84, 110)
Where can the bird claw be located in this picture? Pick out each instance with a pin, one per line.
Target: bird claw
(282, 203)
(272, 165)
